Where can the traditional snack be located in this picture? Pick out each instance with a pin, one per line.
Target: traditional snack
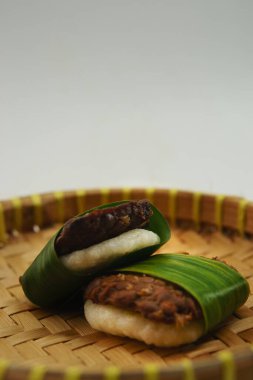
(108, 236)
(165, 300)
(102, 224)
(97, 238)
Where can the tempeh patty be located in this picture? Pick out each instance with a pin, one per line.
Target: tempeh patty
(102, 224)
(153, 298)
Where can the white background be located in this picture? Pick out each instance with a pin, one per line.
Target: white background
(117, 93)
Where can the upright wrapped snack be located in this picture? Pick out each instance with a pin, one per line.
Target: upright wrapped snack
(104, 237)
(165, 300)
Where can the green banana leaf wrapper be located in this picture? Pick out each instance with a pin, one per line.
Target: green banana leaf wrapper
(49, 284)
(218, 288)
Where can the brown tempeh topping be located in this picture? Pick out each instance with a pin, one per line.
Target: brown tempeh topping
(155, 299)
(99, 225)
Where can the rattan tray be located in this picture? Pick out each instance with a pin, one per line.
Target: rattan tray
(36, 344)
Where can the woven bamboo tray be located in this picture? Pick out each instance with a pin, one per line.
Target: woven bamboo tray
(36, 344)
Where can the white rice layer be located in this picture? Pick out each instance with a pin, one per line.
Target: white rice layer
(109, 250)
(116, 321)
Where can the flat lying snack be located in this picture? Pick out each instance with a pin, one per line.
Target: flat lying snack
(144, 308)
(105, 237)
(165, 300)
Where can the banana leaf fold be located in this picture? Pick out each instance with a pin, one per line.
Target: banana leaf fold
(48, 283)
(218, 288)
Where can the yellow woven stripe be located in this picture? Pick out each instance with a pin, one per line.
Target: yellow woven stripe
(150, 194)
(104, 195)
(196, 209)
(188, 370)
(37, 204)
(126, 193)
(151, 372)
(218, 211)
(3, 368)
(37, 373)
(2, 224)
(17, 206)
(228, 365)
(59, 196)
(172, 205)
(111, 373)
(80, 197)
(241, 216)
(72, 373)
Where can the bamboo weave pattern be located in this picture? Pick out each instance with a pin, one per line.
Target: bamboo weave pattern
(63, 342)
